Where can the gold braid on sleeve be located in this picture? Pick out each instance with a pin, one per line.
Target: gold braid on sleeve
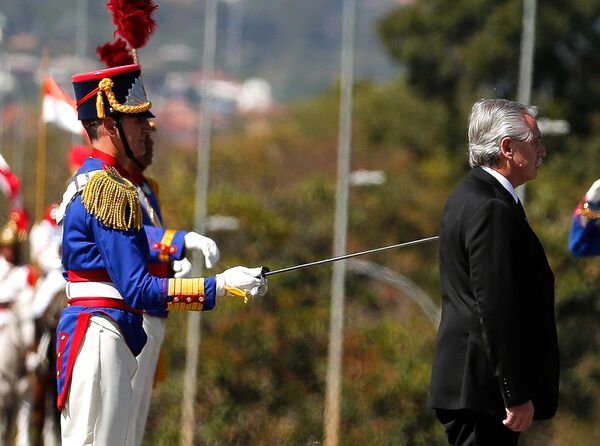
(587, 214)
(186, 294)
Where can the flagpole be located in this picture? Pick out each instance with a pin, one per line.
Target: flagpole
(190, 425)
(40, 190)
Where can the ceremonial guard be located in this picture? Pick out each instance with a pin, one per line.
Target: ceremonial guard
(16, 335)
(166, 248)
(584, 239)
(45, 240)
(105, 253)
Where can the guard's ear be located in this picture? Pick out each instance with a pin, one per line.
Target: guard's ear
(506, 147)
(109, 124)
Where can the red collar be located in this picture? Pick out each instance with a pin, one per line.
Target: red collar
(111, 161)
(137, 178)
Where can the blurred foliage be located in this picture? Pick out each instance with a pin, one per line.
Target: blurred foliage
(261, 378)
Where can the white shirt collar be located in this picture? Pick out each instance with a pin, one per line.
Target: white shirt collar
(503, 181)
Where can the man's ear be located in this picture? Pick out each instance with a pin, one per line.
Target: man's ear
(506, 147)
(110, 126)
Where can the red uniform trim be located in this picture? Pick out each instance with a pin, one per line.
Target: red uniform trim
(107, 72)
(111, 161)
(90, 275)
(87, 97)
(103, 302)
(159, 270)
(78, 335)
(32, 276)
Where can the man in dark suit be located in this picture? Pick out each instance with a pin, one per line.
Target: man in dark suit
(495, 367)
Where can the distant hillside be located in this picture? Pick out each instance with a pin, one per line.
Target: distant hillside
(294, 45)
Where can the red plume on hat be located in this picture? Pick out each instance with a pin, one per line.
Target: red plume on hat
(134, 20)
(115, 54)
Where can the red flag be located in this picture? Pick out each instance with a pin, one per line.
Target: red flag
(59, 108)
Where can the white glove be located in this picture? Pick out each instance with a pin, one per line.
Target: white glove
(593, 194)
(35, 362)
(240, 281)
(195, 241)
(182, 268)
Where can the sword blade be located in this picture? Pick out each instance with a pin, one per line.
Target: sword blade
(267, 273)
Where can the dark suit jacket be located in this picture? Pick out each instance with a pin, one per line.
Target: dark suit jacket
(497, 345)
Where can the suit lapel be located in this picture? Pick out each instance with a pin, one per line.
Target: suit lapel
(482, 175)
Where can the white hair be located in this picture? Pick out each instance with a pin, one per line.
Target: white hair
(489, 122)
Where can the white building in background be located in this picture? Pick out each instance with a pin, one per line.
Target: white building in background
(254, 96)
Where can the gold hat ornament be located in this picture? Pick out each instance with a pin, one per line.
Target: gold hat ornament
(9, 235)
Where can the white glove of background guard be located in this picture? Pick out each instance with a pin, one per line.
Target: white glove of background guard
(593, 194)
(242, 282)
(182, 268)
(193, 240)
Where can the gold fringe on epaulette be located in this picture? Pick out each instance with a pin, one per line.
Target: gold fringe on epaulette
(113, 200)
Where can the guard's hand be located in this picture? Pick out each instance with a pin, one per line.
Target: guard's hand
(35, 362)
(519, 418)
(193, 240)
(182, 268)
(593, 194)
(240, 281)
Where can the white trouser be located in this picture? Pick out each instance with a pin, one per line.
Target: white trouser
(98, 406)
(143, 379)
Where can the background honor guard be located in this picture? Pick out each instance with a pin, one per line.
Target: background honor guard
(16, 336)
(584, 239)
(167, 250)
(45, 240)
(105, 255)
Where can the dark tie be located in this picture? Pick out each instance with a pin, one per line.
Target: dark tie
(521, 209)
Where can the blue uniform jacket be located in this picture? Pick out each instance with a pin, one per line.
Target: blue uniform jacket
(584, 238)
(90, 245)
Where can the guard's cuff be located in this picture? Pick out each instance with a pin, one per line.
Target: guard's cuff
(197, 294)
(171, 246)
(587, 211)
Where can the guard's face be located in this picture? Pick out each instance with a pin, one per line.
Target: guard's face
(136, 131)
(9, 253)
(528, 155)
(146, 159)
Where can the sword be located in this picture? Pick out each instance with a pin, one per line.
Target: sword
(267, 272)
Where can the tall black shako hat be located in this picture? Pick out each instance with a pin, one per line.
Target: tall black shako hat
(111, 92)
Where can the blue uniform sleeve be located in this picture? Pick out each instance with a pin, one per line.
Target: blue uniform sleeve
(125, 255)
(165, 244)
(584, 238)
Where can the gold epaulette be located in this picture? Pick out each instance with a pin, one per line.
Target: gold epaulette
(113, 200)
(186, 294)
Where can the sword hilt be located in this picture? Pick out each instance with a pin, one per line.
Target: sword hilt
(264, 271)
